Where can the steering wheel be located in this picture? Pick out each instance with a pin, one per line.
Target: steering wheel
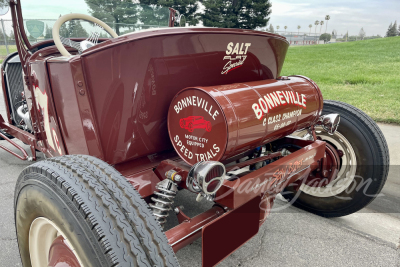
(89, 42)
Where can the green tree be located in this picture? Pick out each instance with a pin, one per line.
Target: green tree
(2, 33)
(271, 29)
(187, 8)
(352, 38)
(298, 29)
(4, 6)
(321, 23)
(389, 29)
(114, 12)
(71, 27)
(48, 32)
(316, 23)
(372, 37)
(244, 14)
(64, 30)
(153, 14)
(392, 30)
(11, 36)
(326, 37)
(327, 18)
(75, 29)
(345, 37)
(362, 34)
(104, 35)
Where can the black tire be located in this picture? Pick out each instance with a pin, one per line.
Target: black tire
(372, 156)
(102, 215)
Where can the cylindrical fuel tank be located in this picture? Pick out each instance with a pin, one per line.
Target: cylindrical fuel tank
(219, 122)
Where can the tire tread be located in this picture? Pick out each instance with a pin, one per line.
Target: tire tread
(376, 132)
(378, 147)
(119, 218)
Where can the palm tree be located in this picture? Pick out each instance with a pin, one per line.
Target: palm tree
(298, 28)
(285, 28)
(277, 27)
(316, 24)
(310, 26)
(327, 18)
(322, 23)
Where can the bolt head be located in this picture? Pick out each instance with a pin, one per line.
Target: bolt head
(82, 92)
(178, 178)
(176, 210)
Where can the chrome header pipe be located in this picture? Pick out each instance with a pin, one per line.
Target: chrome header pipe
(329, 122)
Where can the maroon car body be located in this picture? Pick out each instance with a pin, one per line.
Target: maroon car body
(119, 101)
(118, 112)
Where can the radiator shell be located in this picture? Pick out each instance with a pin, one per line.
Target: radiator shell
(15, 86)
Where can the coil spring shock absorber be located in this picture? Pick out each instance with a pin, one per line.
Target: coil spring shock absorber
(163, 200)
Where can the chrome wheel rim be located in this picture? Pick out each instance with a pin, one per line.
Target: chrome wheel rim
(42, 233)
(347, 169)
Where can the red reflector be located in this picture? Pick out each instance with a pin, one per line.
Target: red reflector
(214, 184)
(217, 171)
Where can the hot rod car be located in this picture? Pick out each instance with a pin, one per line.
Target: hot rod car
(195, 122)
(115, 117)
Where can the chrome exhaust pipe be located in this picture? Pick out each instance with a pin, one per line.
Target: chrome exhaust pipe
(329, 122)
(25, 116)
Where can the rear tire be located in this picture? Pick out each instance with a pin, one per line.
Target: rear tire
(95, 207)
(371, 168)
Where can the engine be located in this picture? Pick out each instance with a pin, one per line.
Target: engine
(217, 123)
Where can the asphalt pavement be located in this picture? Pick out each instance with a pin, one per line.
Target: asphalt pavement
(290, 236)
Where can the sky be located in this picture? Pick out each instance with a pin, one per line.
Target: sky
(351, 15)
(49, 9)
(346, 15)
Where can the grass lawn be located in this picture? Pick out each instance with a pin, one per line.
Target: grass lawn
(364, 74)
(3, 51)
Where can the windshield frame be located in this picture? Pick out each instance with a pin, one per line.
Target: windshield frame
(19, 26)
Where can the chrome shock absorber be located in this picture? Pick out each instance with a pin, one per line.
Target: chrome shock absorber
(163, 200)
